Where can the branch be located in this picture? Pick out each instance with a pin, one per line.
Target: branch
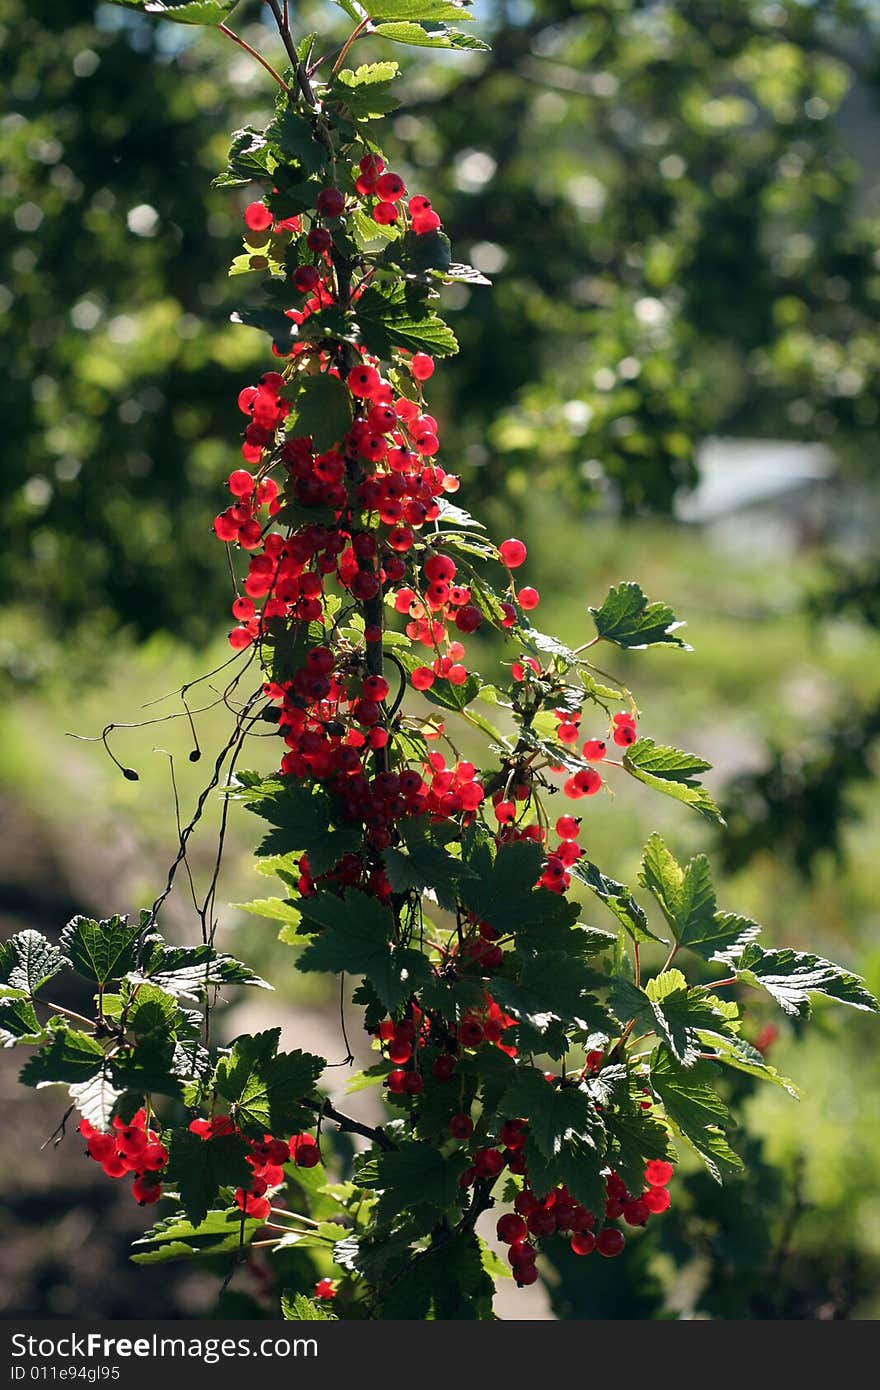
(349, 1125)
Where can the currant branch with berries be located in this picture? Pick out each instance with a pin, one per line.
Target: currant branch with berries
(530, 1060)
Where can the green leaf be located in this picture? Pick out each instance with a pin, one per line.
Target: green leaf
(189, 971)
(445, 1282)
(250, 157)
(629, 620)
(96, 1099)
(566, 1135)
(553, 987)
(695, 1110)
(503, 891)
(737, 1053)
(419, 254)
(369, 74)
(295, 1307)
(275, 322)
(687, 899)
(275, 909)
(176, 1238)
(390, 319)
(28, 960)
(320, 409)
(357, 939)
(792, 976)
(155, 1011)
(70, 1056)
(304, 821)
(617, 897)
(553, 1112)
(18, 1021)
(364, 93)
(492, 1263)
(184, 12)
(454, 697)
(671, 771)
(103, 950)
(264, 1087)
(418, 10)
(199, 1168)
(417, 1175)
(292, 133)
(426, 865)
(147, 1066)
(427, 36)
(633, 1137)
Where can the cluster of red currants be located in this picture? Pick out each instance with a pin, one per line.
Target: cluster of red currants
(129, 1147)
(266, 1157)
(534, 1218)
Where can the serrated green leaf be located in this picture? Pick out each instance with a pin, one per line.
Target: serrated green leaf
(554, 1113)
(357, 939)
(292, 133)
(671, 771)
(275, 322)
(18, 1021)
(627, 619)
(275, 909)
(791, 977)
(502, 890)
(687, 899)
(295, 1307)
(368, 74)
(189, 971)
(427, 36)
(176, 1238)
(419, 10)
(390, 320)
(100, 950)
(322, 410)
(417, 1174)
(553, 988)
(182, 11)
(633, 1137)
(426, 865)
(737, 1053)
(617, 897)
(454, 697)
(250, 157)
(304, 821)
(264, 1087)
(695, 1110)
(154, 1010)
(28, 960)
(96, 1099)
(70, 1056)
(199, 1168)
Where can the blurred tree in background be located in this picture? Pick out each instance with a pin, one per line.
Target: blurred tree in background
(679, 207)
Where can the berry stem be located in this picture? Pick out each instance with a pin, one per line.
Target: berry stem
(236, 38)
(348, 43)
(349, 1125)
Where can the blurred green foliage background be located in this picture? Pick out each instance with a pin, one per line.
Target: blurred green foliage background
(679, 206)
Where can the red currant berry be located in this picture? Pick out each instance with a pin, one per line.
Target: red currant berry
(610, 1242)
(511, 1229)
(258, 217)
(513, 553)
(421, 365)
(330, 202)
(658, 1172)
(584, 1243)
